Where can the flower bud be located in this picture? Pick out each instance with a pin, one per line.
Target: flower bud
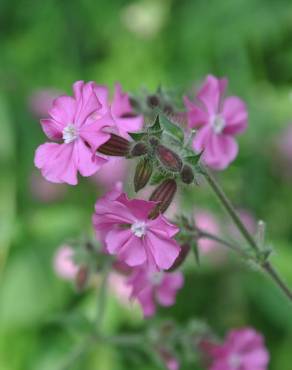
(153, 101)
(187, 174)
(168, 158)
(143, 173)
(163, 194)
(81, 278)
(139, 149)
(115, 146)
(184, 251)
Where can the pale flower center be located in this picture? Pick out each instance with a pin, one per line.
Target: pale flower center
(70, 133)
(218, 123)
(234, 361)
(138, 228)
(155, 278)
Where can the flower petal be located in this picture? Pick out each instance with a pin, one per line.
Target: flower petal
(166, 292)
(87, 102)
(211, 93)
(63, 110)
(220, 151)
(235, 115)
(87, 163)
(197, 117)
(164, 250)
(57, 162)
(52, 128)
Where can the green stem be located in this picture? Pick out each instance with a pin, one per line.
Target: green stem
(267, 266)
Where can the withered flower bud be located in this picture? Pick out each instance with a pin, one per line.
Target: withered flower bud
(184, 251)
(163, 194)
(81, 278)
(168, 158)
(115, 146)
(143, 173)
(187, 174)
(139, 149)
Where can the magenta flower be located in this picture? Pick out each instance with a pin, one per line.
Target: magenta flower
(151, 287)
(243, 349)
(205, 221)
(171, 362)
(64, 265)
(119, 110)
(127, 232)
(217, 120)
(72, 121)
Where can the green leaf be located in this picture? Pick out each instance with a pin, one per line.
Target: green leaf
(171, 128)
(137, 136)
(156, 129)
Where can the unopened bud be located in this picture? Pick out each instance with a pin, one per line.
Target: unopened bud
(143, 173)
(184, 251)
(139, 149)
(168, 158)
(115, 146)
(163, 194)
(187, 174)
(81, 278)
(153, 101)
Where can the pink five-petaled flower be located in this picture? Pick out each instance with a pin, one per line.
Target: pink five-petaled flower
(243, 349)
(64, 265)
(72, 121)
(151, 287)
(126, 231)
(217, 120)
(119, 110)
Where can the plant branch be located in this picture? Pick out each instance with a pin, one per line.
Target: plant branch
(226, 203)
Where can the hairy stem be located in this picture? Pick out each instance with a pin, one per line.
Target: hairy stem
(226, 203)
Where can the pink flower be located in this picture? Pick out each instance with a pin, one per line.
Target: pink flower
(120, 111)
(243, 349)
(169, 360)
(64, 265)
(127, 232)
(119, 287)
(151, 287)
(205, 221)
(249, 221)
(217, 120)
(41, 101)
(72, 120)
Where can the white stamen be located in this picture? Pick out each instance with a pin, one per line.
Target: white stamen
(234, 361)
(218, 124)
(139, 228)
(69, 133)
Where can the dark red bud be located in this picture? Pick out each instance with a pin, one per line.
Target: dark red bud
(187, 174)
(115, 146)
(153, 101)
(184, 251)
(163, 194)
(139, 149)
(81, 278)
(168, 158)
(143, 173)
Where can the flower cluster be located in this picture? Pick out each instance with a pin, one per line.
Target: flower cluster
(80, 125)
(88, 128)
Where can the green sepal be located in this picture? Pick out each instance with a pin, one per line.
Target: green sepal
(171, 128)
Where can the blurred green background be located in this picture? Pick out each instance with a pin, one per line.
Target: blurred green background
(50, 44)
